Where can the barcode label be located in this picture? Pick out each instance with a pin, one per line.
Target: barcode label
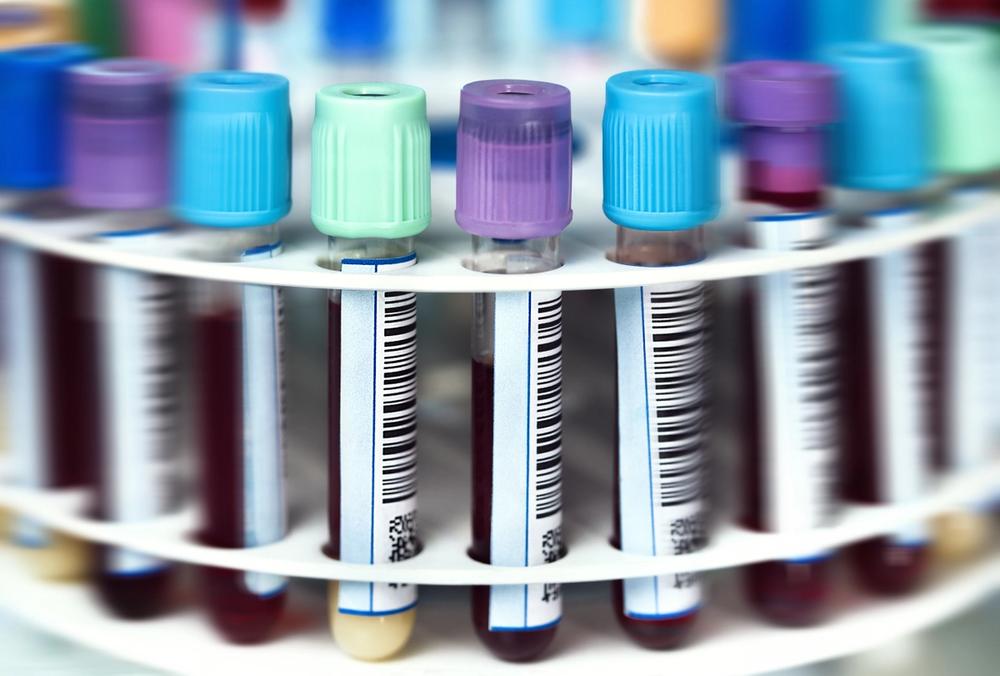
(900, 342)
(139, 370)
(526, 526)
(378, 450)
(27, 440)
(662, 367)
(795, 324)
(973, 325)
(264, 502)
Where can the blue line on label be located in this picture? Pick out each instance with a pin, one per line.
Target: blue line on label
(377, 613)
(790, 217)
(371, 512)
(140, 573)
(379, 261)
(527, 453)
(667, 616)
(893, 211)
(822, 556)
(540, 627)
(155, 230)
(649, 441)
(263, 248)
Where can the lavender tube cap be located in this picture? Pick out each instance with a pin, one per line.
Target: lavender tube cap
(515, 159)
(781, 94)
(119, 122)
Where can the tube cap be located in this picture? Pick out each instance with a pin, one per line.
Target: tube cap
(661, 150)
(232, 148)
(685, 32)
(119, 130)
(515, 159)
(965, 96)
(579, 21)
(767, 29)
(358, 29)
(32, 106)
(882, 141)
(164, 30)
(371, 174)
(781, 94)
(100, 24)
(834, 22)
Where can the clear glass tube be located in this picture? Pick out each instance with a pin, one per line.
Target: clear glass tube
(375, 636)
(238, 333)
(498, 257)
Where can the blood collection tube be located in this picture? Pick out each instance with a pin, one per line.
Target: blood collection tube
(984, 11)
(371, 197)
(514, 178)
(51, 422)
(881, 159)
(660, 188)
(965, 105)
(683, 32)
(118, 159)
(228, 123)
(790, 403)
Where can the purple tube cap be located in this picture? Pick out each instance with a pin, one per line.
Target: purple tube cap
(515, 159)
(781, 93)
(119, 120)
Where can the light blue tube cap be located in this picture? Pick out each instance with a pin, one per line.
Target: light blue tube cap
(661, 150)
(834, 22)
(580, 21)
(233, 149)
(882, 141)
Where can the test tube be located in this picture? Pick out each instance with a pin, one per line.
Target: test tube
(881, 161)
(357, 30)
(766, 29)
(229, 123)
(791, 409)
(371, 197)
(661, 185)
(118, 159)
(164, 30)
(965, 104)
(51, 424)
(963, 10)
(24, 24)
(683, 32)
(514, 179)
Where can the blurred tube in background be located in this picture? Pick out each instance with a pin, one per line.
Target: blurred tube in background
(965, 107)
(164, 30)
(357, 30)
(49, 376)
(683, 32)
(898, 17)
(517, 25)
(985, 11)
(767, 29)
(27, 23)
(581, 22)
(119, 122)
(881, 161)
(414, 30)
(264, 9)
(833, 22)
(100, 25)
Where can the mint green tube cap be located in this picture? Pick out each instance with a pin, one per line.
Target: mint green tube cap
(964, 72)
(371, 167)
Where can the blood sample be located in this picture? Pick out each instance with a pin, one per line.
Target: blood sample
(985, 11)
(961, 65)
(238, 329)
(791, 406)
(661, 335)
(514, 178)
(119, 128)
(881, 159)
(683, 32)
(364, 137)
(52, 437)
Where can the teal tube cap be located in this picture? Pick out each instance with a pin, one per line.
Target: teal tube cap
(233, 149)
(882, 141)
(661, 150)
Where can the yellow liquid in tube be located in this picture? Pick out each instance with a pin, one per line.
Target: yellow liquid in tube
(369, 638)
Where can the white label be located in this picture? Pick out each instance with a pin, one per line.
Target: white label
(527, 444)
(26, 380)
(797, 359)
(264, 508)
(139, 367)
(974, 333)
(898, 317)
(662, 365)
(378, 448)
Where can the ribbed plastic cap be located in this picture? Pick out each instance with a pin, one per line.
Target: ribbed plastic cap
(882, 141)
(119, 131)
(357, 29)
(661, 150)
(32, 108)
(781, 94)
(515, 159)
(965, 96)
(581, 22)
(232, 148)
(371, 161)
(767, 29)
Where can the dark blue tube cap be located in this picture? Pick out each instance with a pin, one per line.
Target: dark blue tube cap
(767, 30)
(357, 28)
(33, 101)
(882, 141)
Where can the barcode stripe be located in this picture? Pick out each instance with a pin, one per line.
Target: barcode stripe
(399, 401)
(548, 425)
